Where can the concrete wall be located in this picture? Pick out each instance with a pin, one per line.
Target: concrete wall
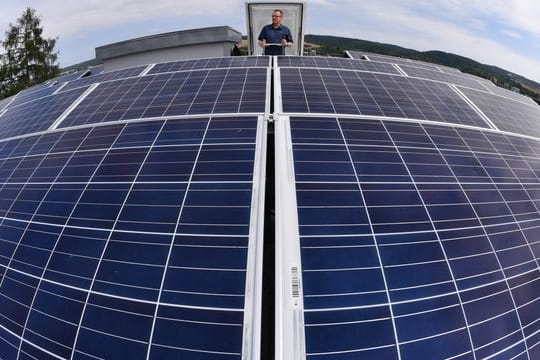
(179, 45)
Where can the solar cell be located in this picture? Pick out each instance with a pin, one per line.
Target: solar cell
(125, 240)
(180, 93)
(418, 237)
(352, 92)
(507, 114)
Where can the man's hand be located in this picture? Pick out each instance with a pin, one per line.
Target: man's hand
(262, 43)
(284, 43)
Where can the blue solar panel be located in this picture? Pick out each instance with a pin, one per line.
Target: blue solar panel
(512, 95)
(353, 92)
(171, 94)
(69, 77)
(36, 115)
(456, 79)
(506, 113)
(399, 61)
(336, 63)
(211, 63)
(33, 93)
(128, 239)
(416, 239)
(131, 215)
(4, 103)
(102, 77)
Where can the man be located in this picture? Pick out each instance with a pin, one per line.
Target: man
(275, 33)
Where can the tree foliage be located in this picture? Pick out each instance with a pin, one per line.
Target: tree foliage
(28, 58)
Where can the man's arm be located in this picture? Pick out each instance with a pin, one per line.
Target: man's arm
(262, 38)
(286, 43)
(286, 40)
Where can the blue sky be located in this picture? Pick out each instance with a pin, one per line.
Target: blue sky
(504, 33)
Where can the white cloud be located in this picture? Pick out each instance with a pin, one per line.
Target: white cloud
(399, 24)
(464, 27)
(67, 18)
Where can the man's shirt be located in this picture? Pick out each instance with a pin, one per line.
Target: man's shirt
(273, 36)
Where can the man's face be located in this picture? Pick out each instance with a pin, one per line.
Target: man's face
(276, 18)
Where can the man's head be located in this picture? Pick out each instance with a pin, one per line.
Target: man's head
(277, 16)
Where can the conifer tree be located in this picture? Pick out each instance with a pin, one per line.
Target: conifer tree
(28, 58)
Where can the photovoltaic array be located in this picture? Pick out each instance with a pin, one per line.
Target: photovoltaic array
(407, 212)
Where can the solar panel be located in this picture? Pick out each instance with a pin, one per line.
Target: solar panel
(33, 93)
(69, 77)
(335, 63)
(352, 92)
(414, 239)
(102, 77)
(512, 95)
(131, 239)
(172, 94)
(507, 114)
(211, 63)
(36, 115)
(393, 60)
(4, 102)
(439, 76)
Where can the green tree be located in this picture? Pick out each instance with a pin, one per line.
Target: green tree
(28, 58)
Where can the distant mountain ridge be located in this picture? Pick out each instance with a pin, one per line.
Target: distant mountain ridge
(335, 46)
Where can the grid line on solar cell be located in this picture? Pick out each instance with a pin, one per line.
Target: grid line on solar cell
(433, 187)
(304, 91)
(507, 114)
(211, 63)
(183, 93)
